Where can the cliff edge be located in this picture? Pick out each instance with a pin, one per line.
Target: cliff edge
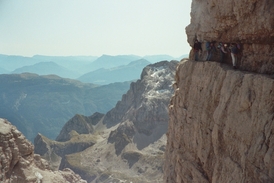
(221, 125)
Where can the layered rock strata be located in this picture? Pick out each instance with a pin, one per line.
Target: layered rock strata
(249, 23)
(221, 126)
(19, 164)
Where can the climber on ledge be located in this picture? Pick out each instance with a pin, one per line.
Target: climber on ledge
(197, 47)
(210, 48)
(223, 51)
(234, 51)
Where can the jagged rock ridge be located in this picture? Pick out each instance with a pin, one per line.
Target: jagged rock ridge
(130, 139)
(19, 164)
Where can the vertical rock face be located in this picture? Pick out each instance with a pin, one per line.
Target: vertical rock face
(248, 22)
(18, 163)
(221, 120)
(221, 126)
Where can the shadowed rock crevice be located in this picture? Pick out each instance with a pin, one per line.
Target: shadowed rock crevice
(131, 157)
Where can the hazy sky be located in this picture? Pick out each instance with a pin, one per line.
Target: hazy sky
(94, 27)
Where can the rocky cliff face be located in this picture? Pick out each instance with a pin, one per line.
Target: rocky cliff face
(248, 22)
(221, 125)
(129, 141)
(222, 120)
(18, 163)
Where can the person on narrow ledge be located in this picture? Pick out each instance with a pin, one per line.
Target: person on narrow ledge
(210, 47)
(234, 52)
(223, 51)
(197, 48)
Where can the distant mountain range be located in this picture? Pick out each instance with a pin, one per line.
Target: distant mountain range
(79, 67)
(44, 103)
(3, 71)
(158, 58)
(46, 68)
(12, 62)
(108, 61)
(122, 73)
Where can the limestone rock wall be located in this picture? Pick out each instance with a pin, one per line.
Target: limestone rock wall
(248, 22)
(18, 163)
(221, 126)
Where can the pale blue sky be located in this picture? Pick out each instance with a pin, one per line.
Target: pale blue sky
(94, 27)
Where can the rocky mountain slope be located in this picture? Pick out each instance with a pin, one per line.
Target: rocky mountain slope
(19, 164)
(221, 120)
(43, 104)
(129, 141)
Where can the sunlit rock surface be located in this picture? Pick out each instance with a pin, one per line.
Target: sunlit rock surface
(221, 126)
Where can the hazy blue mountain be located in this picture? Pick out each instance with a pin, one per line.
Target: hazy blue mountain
(158, 58)
(44, 103)
(108, 61)
(181, 57)
(12, 62)
(129, 72)
(46, 68)
(4, 71)
(74, 63)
